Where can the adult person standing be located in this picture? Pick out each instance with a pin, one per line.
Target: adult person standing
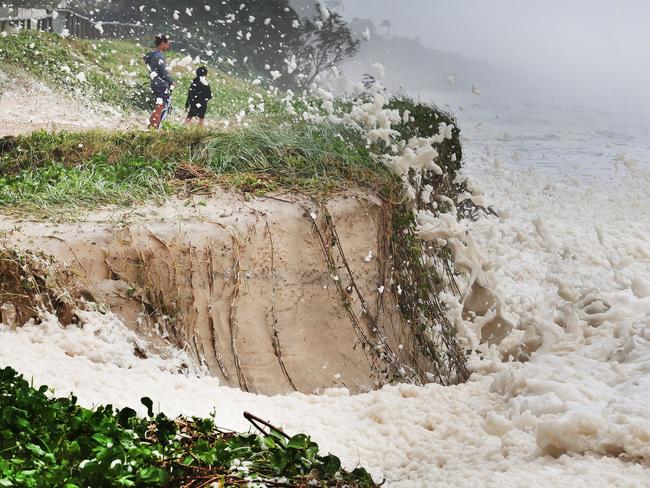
(162, 83)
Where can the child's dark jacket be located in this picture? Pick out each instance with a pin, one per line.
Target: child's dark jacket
(197, 97)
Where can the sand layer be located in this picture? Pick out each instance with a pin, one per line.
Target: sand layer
(245, 287)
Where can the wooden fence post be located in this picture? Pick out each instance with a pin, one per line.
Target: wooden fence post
(75, 25)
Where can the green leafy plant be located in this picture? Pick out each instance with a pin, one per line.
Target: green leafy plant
(55, 442)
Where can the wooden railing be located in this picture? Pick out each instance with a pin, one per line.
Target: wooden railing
(7, 23)
(71, 23)
(78, 25)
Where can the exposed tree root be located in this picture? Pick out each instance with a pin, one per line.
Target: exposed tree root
(241, 378)
(32, 282)
(377, 348)
(274, 321)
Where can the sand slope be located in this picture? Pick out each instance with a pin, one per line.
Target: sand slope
(244, 286)
(27, 105)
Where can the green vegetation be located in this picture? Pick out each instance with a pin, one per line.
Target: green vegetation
(417, 287)
(94, 168)
(98, 182)
(418, 284)
(116, 75)
(55, 442)
(58, 62)
(424, 123)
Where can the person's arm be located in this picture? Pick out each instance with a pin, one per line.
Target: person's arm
(151, 61)
(208, 95)
(190, 95)
(164, 72)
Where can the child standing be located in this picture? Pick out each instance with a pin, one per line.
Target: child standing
(198, 96)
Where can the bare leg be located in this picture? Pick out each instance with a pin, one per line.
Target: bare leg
(201, 122)
(154, 120)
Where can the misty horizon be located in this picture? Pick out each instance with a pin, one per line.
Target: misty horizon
(585, 52)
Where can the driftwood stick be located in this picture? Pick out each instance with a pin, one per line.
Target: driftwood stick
(256, 421)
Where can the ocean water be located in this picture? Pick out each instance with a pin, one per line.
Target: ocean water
(560, 141)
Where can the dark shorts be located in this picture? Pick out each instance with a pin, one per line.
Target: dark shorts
(197, 111)
(161, 97)
(161, 93)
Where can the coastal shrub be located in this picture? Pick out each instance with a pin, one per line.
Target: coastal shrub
(55, 442)
(423, 122)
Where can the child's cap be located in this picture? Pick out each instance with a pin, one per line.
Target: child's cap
(201, 71)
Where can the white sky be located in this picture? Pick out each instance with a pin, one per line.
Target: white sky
(593, 48)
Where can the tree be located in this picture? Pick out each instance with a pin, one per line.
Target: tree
(251, 34)
(322, 45)
(335, 5)
(359, 26)
(387, 25)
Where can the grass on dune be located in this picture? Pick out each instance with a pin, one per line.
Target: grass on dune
(90, 169)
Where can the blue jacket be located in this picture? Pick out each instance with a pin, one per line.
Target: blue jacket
(156, 62)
